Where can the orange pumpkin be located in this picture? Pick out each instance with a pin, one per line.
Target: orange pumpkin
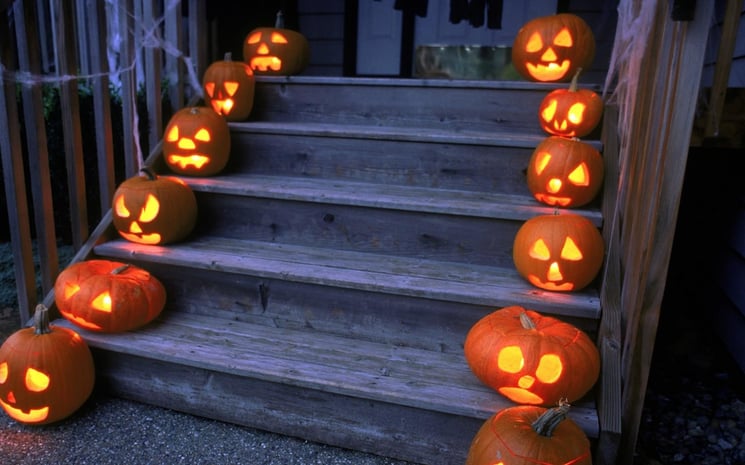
(530, 435)
(558, 252)
(570, 112)
(108, 296)
(276, 50)
(530, 358)
(46, 372)
(565, 172)
(196, 142)
(229, 88)
(552, 48)
(154, 210)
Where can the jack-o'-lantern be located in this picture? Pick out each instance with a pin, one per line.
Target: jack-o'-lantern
(530, 435)
(229, 88)
(108, 296)
(46, 372)
(565, 172)
(276, 51)
(154, 210)
(570, 112)
(196, 142)
(559, 252)
(530, 358)
(552, 48)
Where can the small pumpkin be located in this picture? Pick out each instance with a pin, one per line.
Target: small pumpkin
(571, 112)
(108, 296)
(531, 358)
(196, 142)
(229, 87)
(559, 252)
(154, 210)
(552, 48)
(565, 172)
(530, 435)
(276, 50)
(46, 372)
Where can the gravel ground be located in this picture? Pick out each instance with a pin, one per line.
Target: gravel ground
(694, 414)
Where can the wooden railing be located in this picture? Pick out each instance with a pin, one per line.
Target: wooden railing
(68, 44)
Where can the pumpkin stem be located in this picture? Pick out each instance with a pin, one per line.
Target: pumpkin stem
(228, 56)
(550, 419)
(573, 84)
(120, 269)
(279, 23)
(526, 321)
(149, 173)
(41, 320)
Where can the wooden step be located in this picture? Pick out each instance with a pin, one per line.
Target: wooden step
(412, 404)
(510, 106)
(490, 161)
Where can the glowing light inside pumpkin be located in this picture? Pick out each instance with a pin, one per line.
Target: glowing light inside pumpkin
(102, 302)
(549, 368)
(148, 213)
(554, 185)
(549, 69)
(576, 113)
(510, 359)
(540, 250)
(36, 381)
(33, 415)
(70, 290)
(570, 250)
(196, 160)
(3, 372)
(264, 62)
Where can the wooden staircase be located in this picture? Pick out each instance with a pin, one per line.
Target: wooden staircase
(360, 229)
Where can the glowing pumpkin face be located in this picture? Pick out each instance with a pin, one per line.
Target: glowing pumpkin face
(152, 209)
(570, 112)
(565, 172)
(276, 51)
(552, 48)
(229, 88)
(196, 142)
(108, 296)
(530, 358)
(46, 372)
(530, 435)
(558, 252)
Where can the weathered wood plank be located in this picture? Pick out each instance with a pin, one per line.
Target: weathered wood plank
(466, 283)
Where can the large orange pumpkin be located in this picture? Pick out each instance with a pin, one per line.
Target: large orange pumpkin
(558, 252)
(108, 296)
(565, 172)
(196, 142)
(552, 48)
(154, 210)
(46, 372)
(530, 358)
(276, 50)
(571, 112)
(530, 435)
(229, 87)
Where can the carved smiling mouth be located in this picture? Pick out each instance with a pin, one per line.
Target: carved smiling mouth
(553, 200)
(196, 160)
(32, 416)
(266, 63)
(549, 72)
(549, 286)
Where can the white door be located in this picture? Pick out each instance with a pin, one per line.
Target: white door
(379, 31)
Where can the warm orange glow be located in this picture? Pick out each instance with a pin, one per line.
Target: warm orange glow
(150, 210)
(33, 415)
(222, 107)
(535, 43)
(554, 273)
(82, 322)
(549, 286)
(3, 372)
(544, 158)
(564, 38)
(36, 381)
(548, 72)
(576, 113)
(197, 161)
(254, 38)
(149, 239)
(553, 199)
(570, 251)
(580, 176)
(520, 395)
(263, 49)
(172, 135)
(102, 302)
(540, 250)
(526, 382)
(278, 38)
(209, 87)
(549, 112)
(549, 55)
(70, 290)
(266, 63)
(510, 359)
(549, 369)
(186, 144)
(203, 135)
(553, 185)
(231, 87)
(120, 209)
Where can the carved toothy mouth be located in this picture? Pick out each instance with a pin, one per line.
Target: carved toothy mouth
(266, 64)
(549, 286)
(549, 72)
(196, 160)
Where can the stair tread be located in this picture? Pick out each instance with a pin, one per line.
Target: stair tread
(314, 360)
(422, 199)
(413, 277)
(497, 138)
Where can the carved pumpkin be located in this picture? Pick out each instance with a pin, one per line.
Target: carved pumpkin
(150, 209)
(530, 358)
(552, 48)
(196, 142)
(229, 88)
(565, 172)
(46, 372)
(570, 112)
(276, 51)
(530, 435)
(558, 252)
(108, 296)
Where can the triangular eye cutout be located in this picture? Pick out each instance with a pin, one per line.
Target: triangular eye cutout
(231, 87)
(570, 251)
(172, 135)
(150, 210)
(203, 135)
(549, 112)
(580, 176)
(278, 38)
(102, 302)
(210, 88)
(544, 158)
(535, 43)
(539, 250)
(121, 209)
(564, 38)
(254, 38)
